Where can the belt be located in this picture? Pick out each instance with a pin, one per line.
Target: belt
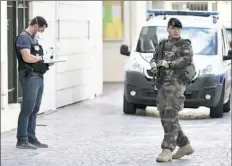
(35, 74)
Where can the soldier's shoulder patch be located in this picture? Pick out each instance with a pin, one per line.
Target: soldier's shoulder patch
(186, 50)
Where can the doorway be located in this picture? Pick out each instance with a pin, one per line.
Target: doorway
(18, 19)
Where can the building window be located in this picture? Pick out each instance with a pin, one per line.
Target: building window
(197, 6)
(113, 20)
(202, 6)
(177, 6)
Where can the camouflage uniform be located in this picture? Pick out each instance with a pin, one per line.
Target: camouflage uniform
(171, 91)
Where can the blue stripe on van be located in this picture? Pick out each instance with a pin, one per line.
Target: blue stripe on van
(221, 79)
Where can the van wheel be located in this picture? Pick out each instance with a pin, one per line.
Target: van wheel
(128, 108)
(141, 106)
(217, 112)
(226, 106)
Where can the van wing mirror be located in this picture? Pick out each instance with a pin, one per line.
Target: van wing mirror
(230, 52)
(124, 50)
(229, 55)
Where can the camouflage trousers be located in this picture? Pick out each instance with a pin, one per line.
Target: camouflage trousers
(170, 101)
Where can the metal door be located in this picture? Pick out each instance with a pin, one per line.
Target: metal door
(76, 45)
(11, 33)
(22, 13)
(47, 39)
(17, 15)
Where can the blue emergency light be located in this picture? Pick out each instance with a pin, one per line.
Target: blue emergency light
(181, 12)
(154, 12)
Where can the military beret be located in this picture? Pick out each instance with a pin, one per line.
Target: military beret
(175, 23)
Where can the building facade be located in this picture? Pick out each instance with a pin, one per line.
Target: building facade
(88, 34)
(84, 33)
(74, 33)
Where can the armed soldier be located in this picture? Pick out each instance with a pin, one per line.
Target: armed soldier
(173, 66)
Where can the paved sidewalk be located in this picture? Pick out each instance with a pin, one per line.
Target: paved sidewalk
(97, 133)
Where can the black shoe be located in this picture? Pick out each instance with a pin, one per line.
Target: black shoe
(39, 144)
(25, 145)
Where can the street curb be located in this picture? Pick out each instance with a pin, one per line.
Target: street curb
(199, 113)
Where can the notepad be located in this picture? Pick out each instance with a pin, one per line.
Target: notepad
(51, 61)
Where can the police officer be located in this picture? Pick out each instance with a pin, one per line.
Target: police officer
(171, 57)
(31, 70)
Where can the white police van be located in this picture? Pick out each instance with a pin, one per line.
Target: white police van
(212, 57)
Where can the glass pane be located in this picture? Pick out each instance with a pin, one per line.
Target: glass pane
(20, 20)
(11, 13)
(26, 17)
(10, 3)
(26, 3)
(20, 4)
(204, 40)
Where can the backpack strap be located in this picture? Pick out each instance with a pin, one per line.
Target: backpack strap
(181, 42)
(161, 49)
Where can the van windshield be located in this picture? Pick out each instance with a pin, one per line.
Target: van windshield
(204, 40)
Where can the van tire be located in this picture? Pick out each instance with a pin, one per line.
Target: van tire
(128, 108)
(141, 106)
(217, 112)
(226, 106)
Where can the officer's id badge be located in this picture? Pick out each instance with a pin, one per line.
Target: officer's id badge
(36, 48)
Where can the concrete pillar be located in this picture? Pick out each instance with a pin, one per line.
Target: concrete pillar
(138, 17)
(4, 68)
(127, 22)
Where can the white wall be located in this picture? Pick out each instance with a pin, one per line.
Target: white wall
(4, 68)
(113, 61)
(224, 7)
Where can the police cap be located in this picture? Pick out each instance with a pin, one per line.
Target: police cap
(175, 23)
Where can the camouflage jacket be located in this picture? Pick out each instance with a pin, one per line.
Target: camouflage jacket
(178, 52)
